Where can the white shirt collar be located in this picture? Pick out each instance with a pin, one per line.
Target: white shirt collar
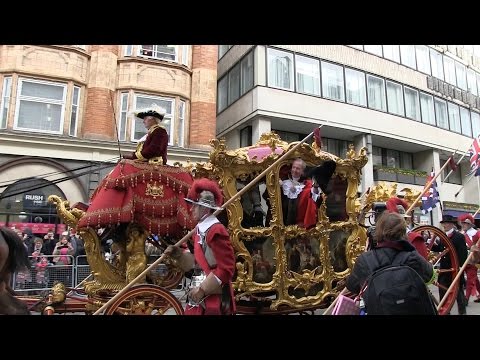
(450, 231)
(471, 232)
(207, 222)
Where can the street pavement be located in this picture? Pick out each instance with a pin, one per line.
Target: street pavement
(472, 308)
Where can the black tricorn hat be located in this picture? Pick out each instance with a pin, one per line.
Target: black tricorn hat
(448, 219)
(154, 110)
(322, 174)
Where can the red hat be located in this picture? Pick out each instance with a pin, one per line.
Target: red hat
(466, 218)
(398, 206)
(205, 192)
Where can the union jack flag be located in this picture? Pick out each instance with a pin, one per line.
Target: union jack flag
(474, 154)
(430, 197)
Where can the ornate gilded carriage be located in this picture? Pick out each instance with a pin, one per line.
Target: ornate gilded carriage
(279, 268)
(286, 268)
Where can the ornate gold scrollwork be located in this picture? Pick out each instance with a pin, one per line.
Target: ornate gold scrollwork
(263, 252)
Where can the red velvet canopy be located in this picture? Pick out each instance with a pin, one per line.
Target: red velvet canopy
(152, 195)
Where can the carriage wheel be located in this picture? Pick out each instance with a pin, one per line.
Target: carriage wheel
(434, 257)
(170, 277)
(146, 300)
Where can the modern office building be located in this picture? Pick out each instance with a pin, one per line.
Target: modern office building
(65, 110)
(412, 106)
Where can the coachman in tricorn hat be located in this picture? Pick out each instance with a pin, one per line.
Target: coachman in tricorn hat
(154, 143)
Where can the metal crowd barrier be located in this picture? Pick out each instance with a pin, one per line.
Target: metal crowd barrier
(40, 278)
(43, 273)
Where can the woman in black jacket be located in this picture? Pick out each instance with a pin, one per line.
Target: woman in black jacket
(391, 239)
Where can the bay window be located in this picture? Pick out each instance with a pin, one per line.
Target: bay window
(40, 106)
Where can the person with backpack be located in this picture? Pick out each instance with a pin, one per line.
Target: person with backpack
(399, 206)
(392, 277)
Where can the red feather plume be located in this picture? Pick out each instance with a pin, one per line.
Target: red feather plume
(464, 217)
(393, 202)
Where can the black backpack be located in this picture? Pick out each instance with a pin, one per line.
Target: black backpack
(396, 289)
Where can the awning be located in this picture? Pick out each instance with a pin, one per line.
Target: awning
(457, 213)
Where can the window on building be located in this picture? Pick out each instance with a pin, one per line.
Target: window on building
(472, 82)
(461, 75)
(395, 98)
(128, 50)
(374, 49)
(332, 81)
(246, 69)
(280, 69)
(246, 136)
(436, 60)
(407, 56)
(185, 51)
(475, 123)
(181, 123)
(234, 84)
(72, 131)
(356, 90)
(308, 75)
(162, 52)
(122, 129)
(336, 147)
(392, 158)
(412, 104)
(441, 113)
(289, 136)
(376, 93)
(406, 160)
(478, 83)
(476, 50)
(144, 101)
(423, 59)
(41, 106)
(6, 94)
(377, 158)
(449, 69)
(391, 52)
(427, 109)
(222, 94)
(454, 117)
(455, 177)
(465, 120)
(222, 50)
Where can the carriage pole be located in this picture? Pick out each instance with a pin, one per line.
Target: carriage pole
(191, 232)
(460, 272)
